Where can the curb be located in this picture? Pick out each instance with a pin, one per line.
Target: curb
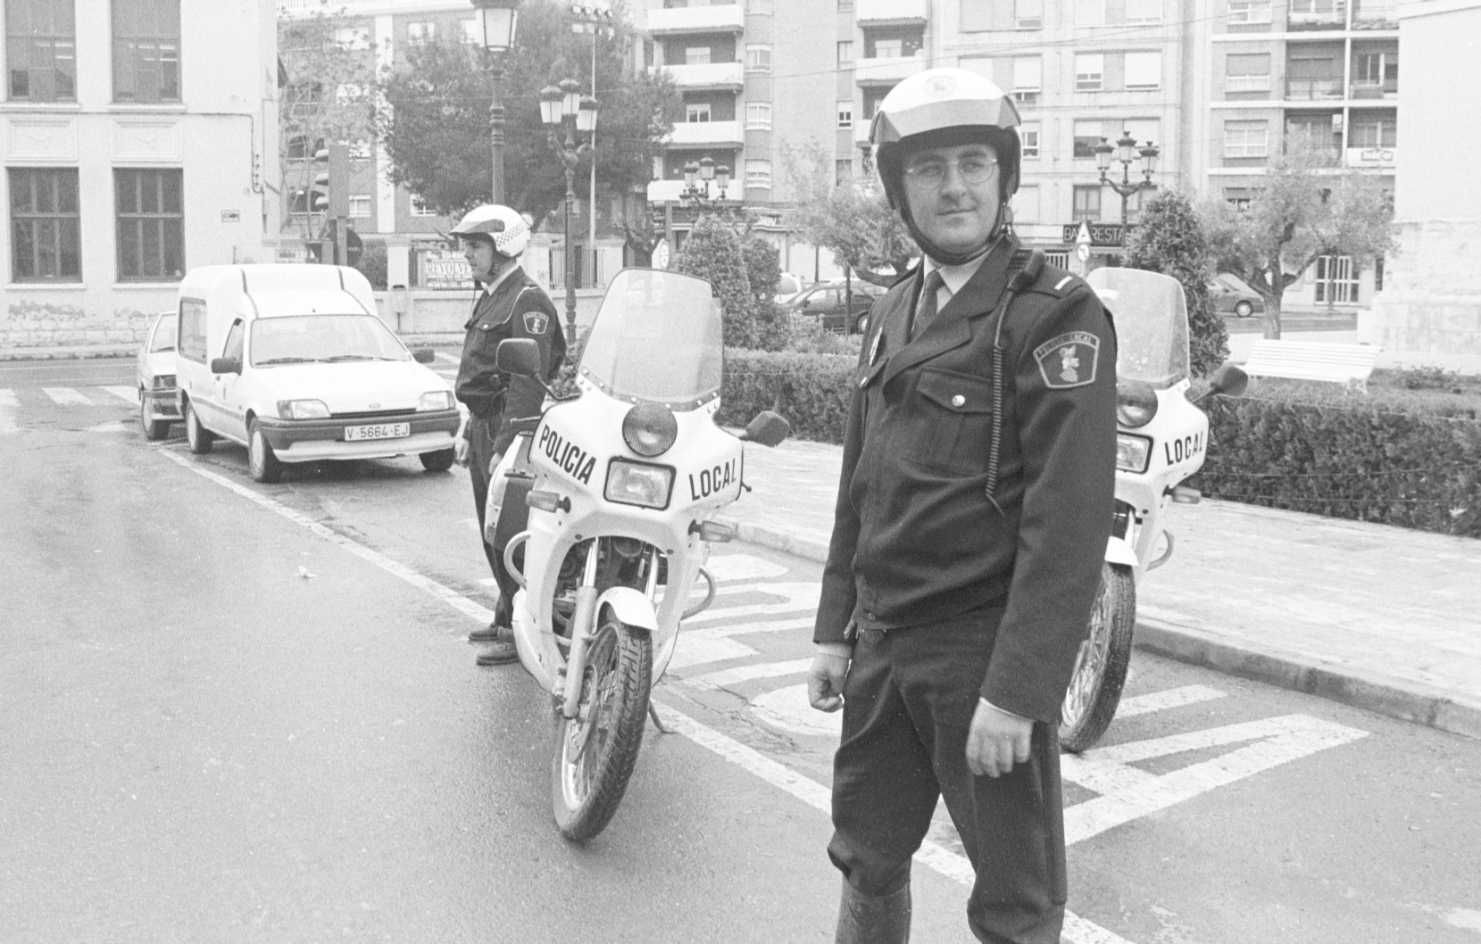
(1191, 645)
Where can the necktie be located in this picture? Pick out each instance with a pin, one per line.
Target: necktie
(925, 306)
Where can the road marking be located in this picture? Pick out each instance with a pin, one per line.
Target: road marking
(704, 646)
(745, 673)
(1166, 699)
(66, 396)
(128, 394)
(735, 567)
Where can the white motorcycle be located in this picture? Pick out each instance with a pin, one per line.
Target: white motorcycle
(1161, 440)
(621, 482)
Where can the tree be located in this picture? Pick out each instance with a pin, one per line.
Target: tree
(1168, 238)
(713, 252)
(436, 126)
(1304, 208)
(763, 269)
(852, 217)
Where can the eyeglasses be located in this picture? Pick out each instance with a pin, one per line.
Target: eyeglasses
(931, 171)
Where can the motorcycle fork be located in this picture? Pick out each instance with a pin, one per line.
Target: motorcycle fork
(583, 630)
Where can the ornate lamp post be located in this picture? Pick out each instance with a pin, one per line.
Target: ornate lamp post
(1126, 153)
(564, 109)
(697, 179)
(497, 20)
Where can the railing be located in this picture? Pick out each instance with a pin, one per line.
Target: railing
(1310, 89)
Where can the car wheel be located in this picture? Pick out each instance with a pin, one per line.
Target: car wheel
(262, 465)
(1243, 309)
(196, 436)
(153, 428)
(439, 461)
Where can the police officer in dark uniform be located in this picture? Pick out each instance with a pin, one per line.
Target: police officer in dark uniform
(971, 522)
(509, 305)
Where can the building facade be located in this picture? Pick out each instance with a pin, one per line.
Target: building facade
(138, 140)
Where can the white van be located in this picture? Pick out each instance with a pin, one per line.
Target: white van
(292, 362)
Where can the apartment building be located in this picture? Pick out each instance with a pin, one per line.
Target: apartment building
(138, 137)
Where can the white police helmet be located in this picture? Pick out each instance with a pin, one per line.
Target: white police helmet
(505, 227)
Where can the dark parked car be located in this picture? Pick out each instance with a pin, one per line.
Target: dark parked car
(1231, 295)
(841, 309)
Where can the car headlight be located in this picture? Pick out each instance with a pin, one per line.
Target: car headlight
(303, 410)
(1136, 403)
(649, 429)
(435, 400)
(164, 381)
(637, 483)
(1132, 453)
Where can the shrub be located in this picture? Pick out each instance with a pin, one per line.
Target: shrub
(713, 252)
(1169, 239)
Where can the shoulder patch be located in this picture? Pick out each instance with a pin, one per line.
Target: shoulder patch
(1068, 360)
(537, 321)
(1063, 283)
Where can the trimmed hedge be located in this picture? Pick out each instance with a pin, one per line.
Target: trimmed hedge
(810, 390)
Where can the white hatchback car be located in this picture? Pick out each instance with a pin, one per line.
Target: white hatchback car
(154, 377)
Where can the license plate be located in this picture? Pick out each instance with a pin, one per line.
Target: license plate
(377, 431)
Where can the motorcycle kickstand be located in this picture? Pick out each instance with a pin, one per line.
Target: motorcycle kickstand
(653, 713)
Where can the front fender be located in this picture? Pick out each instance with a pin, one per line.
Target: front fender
(631, 606)
(1120, 551)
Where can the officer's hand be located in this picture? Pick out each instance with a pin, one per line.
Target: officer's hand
(825, 677)
(997, 740)
(460, 451)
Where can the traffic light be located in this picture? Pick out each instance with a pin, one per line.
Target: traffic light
(330, 196)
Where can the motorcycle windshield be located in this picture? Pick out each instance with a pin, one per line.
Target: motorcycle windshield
(1151, 319)
(658, 337)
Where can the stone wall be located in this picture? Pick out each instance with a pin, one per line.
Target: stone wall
(1429, 312)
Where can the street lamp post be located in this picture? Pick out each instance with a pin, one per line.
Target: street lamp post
(497, 20)
(697, 179)
(1126, 153)
(564, 109)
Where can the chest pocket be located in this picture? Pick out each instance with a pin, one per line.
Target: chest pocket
(950, 422)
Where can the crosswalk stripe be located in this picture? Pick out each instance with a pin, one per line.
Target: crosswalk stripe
(66, 396)
(128, 394)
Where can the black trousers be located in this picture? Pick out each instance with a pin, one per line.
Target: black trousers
(481, 456)
(908, 704)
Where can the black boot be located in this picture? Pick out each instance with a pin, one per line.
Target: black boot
(873, 919)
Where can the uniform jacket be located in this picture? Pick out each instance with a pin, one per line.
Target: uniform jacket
(518, 308)
(915, 537)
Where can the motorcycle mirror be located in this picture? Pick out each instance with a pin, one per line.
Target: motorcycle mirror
(518, 356)
(767, 429)
(1229, 380)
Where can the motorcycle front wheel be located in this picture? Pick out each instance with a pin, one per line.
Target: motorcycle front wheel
(595, 752)
(1100, 669)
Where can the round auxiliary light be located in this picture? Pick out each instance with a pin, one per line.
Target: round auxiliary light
(649, 429)
(1136, 403)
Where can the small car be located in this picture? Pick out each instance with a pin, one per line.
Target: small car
(840, 308)
(1231, 295)
(787, 285)
(154, 377)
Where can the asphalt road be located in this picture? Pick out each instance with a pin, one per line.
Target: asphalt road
(242, 712)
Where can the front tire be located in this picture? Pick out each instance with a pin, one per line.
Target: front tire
(439, 461)
(595, 752)
(153, 429)
(197, 436)
(262, 463)
(1094, 693)
(1243, 309)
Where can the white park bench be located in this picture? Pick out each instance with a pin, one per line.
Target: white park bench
(1307, 360)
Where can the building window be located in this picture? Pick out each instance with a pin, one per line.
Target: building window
(46, 238)
(1375, 71)
(422, 32)
(1247, 72)
(888, 49)
(359, 206)
(758, 174)
(1090, 70)
(151, 225)
(420, 209)
(1373, 131)
(1239, 197)
(697, 55)
(41, 51)
(697, 112)
(1087, 136)
(146, 50)
(845, 52)
(1028, 136)
(1249, 11)
(758, 115)
(1057, 257)
(758, 58)
(1336, 280)
(1144, 11)
(1028, 14)
(1028, 79)
(1087, 202)
(1246, 138)
(845, 114)
(1143, 71)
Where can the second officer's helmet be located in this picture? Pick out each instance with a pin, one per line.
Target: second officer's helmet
(944, 108)
(506, 228)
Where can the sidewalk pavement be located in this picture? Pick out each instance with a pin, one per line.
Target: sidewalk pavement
(1378, 617)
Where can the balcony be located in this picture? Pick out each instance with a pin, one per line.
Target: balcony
(698, 134)
(1374, 15)
(887, 71)
(1333, 19)
(1308, 90)
(891, 12)
(1372, 90)
(726, 18)
(1382, 157)
(725, 76)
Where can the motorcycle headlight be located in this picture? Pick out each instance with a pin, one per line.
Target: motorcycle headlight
(637, 483)
(649, 429)
(1136, 403)
(303, 410)
(1132, 453)
(434, 400)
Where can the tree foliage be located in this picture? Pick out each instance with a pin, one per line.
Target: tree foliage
(1305, 207)
(713, 252)
(436, 128)
(852, 218)
(1169, 239)
(763, 269)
